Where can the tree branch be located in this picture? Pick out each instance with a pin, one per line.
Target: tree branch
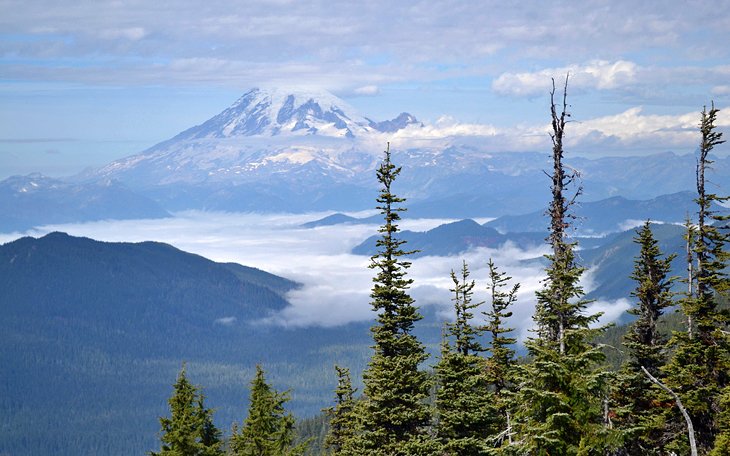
(690, 428)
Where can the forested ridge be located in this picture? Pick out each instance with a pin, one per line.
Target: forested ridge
(660, 387)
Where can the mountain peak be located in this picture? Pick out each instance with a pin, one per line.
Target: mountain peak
(277, 112)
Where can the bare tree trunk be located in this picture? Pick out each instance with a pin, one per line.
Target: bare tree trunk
(690, 428)
(509, 428)
(690, 273)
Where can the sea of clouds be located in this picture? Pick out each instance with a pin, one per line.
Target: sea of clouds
(335, 283)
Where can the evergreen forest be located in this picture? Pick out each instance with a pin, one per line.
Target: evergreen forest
(659, 386)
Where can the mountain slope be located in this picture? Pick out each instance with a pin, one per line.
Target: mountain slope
(453, 238)
(609, 215)
(92, 335)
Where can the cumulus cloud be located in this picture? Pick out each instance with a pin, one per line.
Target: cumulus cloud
(596, 74)
(631, 131)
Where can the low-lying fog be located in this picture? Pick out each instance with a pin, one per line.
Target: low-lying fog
(336, 284)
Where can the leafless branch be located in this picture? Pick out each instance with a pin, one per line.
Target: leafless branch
(690, 428)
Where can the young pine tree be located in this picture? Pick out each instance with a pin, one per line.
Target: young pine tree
(189, 431)
(501, 363)
(393, 412)
(464, 403)
(268, 430)
(700, 368)
(561, 391)
(641, 406)
(342, 425)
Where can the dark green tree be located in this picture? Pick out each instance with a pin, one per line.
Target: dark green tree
(699, 371)
(394, 414)
(464, 403)
(501, 362)
(189, 431)
(342, 425)
(561, 392)
(268, 430)
(641, 406)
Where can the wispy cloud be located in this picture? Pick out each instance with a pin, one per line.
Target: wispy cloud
(353, 45)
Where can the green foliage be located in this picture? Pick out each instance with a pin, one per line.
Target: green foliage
(699, 370)
(463, 332)
(500, 366)
(641, 407)
(393, 413)
(268, 430)
(342, 423)
(189, 431)
(561, 393)
(464, 403)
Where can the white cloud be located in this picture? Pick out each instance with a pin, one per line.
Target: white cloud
(353, 45)
(367, 90)
(596, 74)
(336, 284)
(628, 132)
(721, 90)
(226, 321)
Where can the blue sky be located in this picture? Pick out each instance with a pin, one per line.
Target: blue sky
(86, 82)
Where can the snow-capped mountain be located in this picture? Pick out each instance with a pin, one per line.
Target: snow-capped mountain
(264, 134)
(298, 150)
(274, 112)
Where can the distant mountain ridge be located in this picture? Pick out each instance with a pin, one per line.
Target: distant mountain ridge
(279, 150)
(28, 201)
(609, 215)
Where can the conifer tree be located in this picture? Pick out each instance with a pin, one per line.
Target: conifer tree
(501, 362)
(268, 430)
(561, 392)
(641, 405)
(342, 425)
(464, 404)
(700, 368)
(393, 412)
(189, 431)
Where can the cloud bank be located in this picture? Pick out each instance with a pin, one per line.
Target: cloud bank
(336, 284)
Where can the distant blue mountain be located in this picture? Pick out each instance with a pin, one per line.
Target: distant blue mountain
(453, 238)
(33, 200)
(342, 219)
(609, 215)
(613, 262)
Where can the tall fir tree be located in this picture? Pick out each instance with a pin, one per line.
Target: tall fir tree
(190, 430)
(268, 430)
(640, 405)
(464, 405)
(394, 415)
(342, 419)
(501, 362)
(562, 391)
(700, 368)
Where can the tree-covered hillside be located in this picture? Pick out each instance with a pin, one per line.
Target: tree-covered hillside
(92, 334)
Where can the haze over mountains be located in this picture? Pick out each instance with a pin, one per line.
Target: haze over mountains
(299, 151)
